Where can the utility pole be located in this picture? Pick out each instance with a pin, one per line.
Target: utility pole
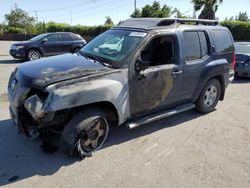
(135, 4)
(36, 16)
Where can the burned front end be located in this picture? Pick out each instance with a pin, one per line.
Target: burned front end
(27, 106)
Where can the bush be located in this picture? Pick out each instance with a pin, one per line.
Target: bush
(240, 30)
(14, 30)
(79, 29)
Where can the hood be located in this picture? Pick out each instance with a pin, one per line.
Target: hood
(242, 57)
(54, 69)
(21, 43)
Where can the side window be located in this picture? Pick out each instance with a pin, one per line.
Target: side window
(222, 41)
(203, 41)
(160, 51)
(76, 37)
(191, 45)
(65, 37)
(52, 38)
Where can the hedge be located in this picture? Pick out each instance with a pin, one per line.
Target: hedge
(240, 30)
(80, 29)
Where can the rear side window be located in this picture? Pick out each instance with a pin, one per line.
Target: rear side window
(65, 37)
(222, 41)
(203, 41)
(195, 45)
(52, 38)
(76, 37)
(191, 45)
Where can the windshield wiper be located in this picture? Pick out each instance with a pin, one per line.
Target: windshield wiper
(95, 58)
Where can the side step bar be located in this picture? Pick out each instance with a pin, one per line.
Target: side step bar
(161, 115)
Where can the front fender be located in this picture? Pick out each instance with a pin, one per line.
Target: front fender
(112, 88)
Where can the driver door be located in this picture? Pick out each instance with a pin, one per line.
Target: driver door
(158, 86)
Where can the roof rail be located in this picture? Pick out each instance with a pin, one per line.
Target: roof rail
(149, 23)
(169, 21)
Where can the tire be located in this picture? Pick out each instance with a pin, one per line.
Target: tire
(209, 96)
(33, 54)
(81, 135)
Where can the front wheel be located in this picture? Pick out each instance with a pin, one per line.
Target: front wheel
(85, 133)
(33, 55)
(209, 96)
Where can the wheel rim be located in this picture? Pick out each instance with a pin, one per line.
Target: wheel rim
(210, 96)
(95, 136)
(33, 55)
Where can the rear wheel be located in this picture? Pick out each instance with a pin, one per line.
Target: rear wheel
(85, 133)
(209, 96)
(33, 54)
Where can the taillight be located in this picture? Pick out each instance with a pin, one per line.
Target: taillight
(234, 60)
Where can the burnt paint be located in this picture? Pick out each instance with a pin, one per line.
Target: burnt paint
(157, 89)
(58, 68)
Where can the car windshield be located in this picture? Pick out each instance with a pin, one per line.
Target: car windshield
(113, 45)
(37, 38)
(242, 48)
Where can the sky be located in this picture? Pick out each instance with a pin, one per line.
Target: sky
(93, 12)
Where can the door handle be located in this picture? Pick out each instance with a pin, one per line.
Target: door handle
(176, 72)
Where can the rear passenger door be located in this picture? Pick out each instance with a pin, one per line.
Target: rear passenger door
(196, 56)
(65, 43)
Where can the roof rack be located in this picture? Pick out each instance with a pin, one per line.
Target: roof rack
(147, 23)
(170, 21)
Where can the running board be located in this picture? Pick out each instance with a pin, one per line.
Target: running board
(161, 115)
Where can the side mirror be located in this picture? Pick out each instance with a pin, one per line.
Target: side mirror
(44, 40)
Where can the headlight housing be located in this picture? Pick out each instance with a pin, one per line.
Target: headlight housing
(14, 47)
(34, 105)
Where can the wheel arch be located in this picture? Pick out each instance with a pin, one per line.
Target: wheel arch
(108, 107)
(220, 78)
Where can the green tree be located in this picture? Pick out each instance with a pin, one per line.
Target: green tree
(109, 21)
(136, 13)
(208, 7)
(18, 18)
(154, 10)
(242, 17)
(178, 13)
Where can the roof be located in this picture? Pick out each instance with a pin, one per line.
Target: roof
(60, 33)
(150, 23)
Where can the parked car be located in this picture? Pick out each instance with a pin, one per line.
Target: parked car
(47, 44)
(242, 66)
(159, 68)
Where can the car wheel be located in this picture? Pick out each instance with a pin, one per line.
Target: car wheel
(85, 133)
(33, 55)
(209, 96)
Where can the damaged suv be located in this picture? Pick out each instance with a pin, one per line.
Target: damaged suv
(141, 71)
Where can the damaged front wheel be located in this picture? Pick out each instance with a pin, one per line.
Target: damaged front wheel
(85, 133)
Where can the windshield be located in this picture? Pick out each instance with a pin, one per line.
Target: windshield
(113, 45)
(37, 38)
(242, 48)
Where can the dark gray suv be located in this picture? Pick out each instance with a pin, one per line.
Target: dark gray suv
(47, 44)
(141, 71)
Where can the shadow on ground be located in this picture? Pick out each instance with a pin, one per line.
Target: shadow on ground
(10, 61)
(21, 158)
(241, 80)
